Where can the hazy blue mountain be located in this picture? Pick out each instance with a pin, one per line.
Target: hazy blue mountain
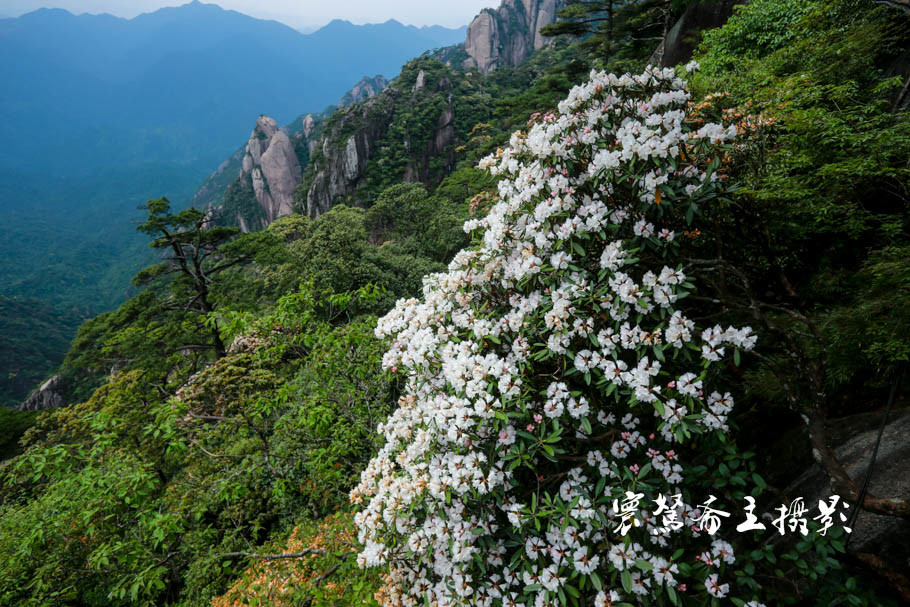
(99, 114)
(176, 84)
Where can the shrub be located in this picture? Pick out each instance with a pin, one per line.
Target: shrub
(555, 387)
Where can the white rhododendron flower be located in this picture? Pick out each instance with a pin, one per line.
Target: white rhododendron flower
(553, 384)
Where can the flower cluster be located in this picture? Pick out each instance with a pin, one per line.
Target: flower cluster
(553, 382)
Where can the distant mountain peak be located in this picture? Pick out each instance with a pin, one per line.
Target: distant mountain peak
(339, 22)
(44, 13)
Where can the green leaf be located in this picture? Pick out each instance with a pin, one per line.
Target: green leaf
(626, 578)
(586, 425)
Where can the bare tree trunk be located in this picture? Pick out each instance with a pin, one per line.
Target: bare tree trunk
(662, 49)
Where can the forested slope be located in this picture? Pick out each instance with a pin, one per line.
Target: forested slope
(190, 476)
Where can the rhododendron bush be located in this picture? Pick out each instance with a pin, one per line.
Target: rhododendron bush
(556, 393)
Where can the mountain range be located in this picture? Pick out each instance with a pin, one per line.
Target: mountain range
(258, 183)
(99, 114)
(177, 84)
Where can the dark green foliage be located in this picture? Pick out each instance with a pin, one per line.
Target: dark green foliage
(194, 252)
(131, 497)
(756, 31)
(426, 226)
(240, 204)
(197, 459)
(614, 33)
(812, 250)
(34, 336)
(138, 335)
(13, 425)
(825, 201)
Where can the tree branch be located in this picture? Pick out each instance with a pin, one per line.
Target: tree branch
(273, 557)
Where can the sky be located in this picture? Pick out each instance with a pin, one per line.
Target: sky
(300, 14)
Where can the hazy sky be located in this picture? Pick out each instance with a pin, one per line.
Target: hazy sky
(296, 13)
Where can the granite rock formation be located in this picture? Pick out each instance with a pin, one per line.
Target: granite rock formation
(509, 34)
(255, 186)
(273, 167)
(351, 139)
(45, 397)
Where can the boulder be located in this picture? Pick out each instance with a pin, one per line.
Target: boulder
(855, 438)
(48, 396)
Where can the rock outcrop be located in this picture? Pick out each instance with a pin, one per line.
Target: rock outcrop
(508, 35)
(441, 145)
(363, 90)
(255, 186)
(854, 440)
(48, 396)
(273, 167)
(340, 168)
(341, 162)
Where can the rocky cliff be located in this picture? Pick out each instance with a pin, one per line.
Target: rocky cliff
(338, 170)
(363, 90)
(273, 168)
(407, 133)
(48, 396)
(508, 35)
(379, 132)
(256, 184)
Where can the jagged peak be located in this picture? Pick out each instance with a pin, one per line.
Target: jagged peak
(265, 126)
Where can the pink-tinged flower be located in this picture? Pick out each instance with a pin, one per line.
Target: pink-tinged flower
(681, 588)
(651, 436)
(671, 384)
(530, 427)
(634, 468)
(538, 418)
(715, 588)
